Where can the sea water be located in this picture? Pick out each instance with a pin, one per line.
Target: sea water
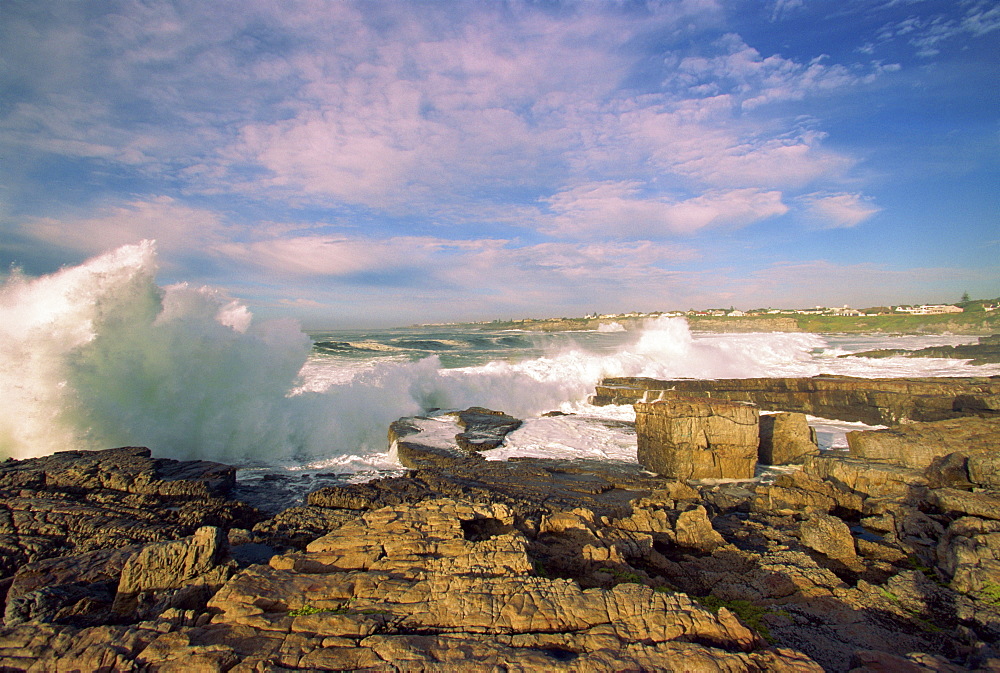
(99, 355)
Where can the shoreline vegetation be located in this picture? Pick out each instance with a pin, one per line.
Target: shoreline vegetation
(971, 323)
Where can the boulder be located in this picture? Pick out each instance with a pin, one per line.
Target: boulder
(697, 438)
(950, 471)
(829, 536)
(785, 438)
(984, 467)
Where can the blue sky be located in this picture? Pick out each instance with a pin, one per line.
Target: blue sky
(385, 163)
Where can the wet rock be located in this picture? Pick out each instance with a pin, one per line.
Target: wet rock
(484, 429)
(81, 501)
(128, 469)
(986, 351)
(697, 438)
(77, 589)
(298, 526)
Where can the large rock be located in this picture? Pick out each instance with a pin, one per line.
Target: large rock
(449, 437)
(697, 438)
(969, 554)
(785, 438)
(803, 492)
(130, 469)
(917, 445)
(864, 478)
(984, 467)
(76, 589)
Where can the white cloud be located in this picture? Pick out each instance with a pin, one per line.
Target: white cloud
(176, 227)
(930, 33)
(752, 80)
(619, 210)
(838, 211)
(405, 107)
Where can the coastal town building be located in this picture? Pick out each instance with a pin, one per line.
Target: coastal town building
(930, 309)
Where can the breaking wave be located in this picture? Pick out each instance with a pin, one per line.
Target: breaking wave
(98, 355)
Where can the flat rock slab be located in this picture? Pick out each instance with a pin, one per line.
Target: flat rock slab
(879, 401)
(916, 445)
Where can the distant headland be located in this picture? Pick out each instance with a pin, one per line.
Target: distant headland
(975, 317)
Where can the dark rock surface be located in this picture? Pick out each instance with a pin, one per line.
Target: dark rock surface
(785, 439)
(82, 501)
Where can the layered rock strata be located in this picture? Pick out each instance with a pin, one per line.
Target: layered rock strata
(872, 401)
(844, 565)
(83, 501)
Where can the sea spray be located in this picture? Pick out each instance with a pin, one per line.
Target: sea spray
(98, 355)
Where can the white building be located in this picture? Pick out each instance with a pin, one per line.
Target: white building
(931, 309)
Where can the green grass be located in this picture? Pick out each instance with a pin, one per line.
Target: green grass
(622, 576)
(750, 614)
(977, 322)
(307, 610)
(991, 593)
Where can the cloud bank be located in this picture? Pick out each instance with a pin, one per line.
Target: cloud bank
(514, 155)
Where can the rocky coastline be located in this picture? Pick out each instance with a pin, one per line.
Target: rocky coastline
(883, 557)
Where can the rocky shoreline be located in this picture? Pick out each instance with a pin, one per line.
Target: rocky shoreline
(886, 557)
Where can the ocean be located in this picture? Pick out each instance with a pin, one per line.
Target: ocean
(99, 355)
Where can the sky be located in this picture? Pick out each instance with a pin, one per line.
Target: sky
(362, 164)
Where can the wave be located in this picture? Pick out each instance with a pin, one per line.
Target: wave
(98, 355)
